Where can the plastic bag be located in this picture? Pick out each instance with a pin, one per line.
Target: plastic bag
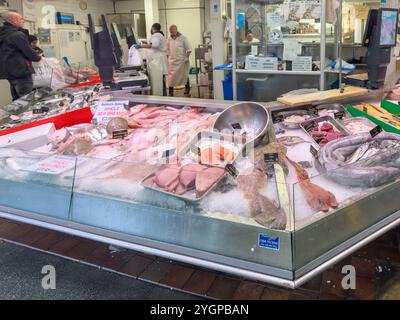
(48, 73)
(135, 58)
(345, 66)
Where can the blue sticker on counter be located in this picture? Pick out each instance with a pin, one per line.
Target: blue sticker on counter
(269, 243)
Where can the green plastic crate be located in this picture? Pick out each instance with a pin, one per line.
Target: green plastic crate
(389, 106)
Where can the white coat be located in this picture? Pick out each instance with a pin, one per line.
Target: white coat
(178, 63)
(158, 52)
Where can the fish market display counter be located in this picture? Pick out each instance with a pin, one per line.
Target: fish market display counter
(268, 219)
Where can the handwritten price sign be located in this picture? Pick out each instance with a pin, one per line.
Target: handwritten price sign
(108, 110)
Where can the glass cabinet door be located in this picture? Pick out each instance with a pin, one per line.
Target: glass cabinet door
(277, 43)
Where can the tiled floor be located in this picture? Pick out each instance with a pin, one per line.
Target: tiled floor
(377, 266)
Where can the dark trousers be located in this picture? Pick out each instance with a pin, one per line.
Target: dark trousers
(164, 85)
(21, 87)
(187, 89)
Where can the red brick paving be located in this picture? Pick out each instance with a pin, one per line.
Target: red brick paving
(384, 252)
(16, 231)
(83, 249)
(364, 267)
(296, 295)
(366, 289)
(177, 276)
(332, 284)
(249, 291)
(116, 260)
(314, 284)
(223, 288)
(32, 236)
(156, 271)
(136, 265)
(62, 247)
(49, 240)
(200, 282)
(275, 294)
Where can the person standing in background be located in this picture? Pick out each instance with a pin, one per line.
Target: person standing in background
(33, 40)
(16, 55)
(158, 51)
(250, 39)
(179, 51)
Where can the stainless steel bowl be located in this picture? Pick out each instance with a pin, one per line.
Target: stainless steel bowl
(251, 117)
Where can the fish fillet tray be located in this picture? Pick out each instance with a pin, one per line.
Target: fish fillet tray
(189, 196)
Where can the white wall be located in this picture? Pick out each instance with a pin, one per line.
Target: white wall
(129, 6)
(188, 16)
(95, 7)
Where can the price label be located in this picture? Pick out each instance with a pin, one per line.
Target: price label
(107, 110)
(195, 149)
(314, 152)
(374, 132)
(310, 126)
(37, 111)
(271, 158)
(167, 153)
(120, 134)
(302, 64)
(339, 115)
(55, 165)
(230, 168)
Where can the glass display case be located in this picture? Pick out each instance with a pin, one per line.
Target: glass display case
(263, 223)
(287, 45)
(279, 45)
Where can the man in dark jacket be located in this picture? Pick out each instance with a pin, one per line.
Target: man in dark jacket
(16, 55)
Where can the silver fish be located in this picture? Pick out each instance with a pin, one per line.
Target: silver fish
(369, 172)
(291, 140)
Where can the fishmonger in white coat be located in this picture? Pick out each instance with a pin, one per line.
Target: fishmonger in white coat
(179, 51)
(158, 51)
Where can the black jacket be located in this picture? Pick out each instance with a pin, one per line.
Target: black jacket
(16, 53)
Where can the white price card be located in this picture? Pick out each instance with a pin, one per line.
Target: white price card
(291, 49)
(55, 165)
(107, 110)
(302, 64)
(261, 63)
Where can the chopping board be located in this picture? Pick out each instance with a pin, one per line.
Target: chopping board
(322, 96)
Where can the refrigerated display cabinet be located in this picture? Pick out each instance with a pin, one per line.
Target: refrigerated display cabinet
(210, 235)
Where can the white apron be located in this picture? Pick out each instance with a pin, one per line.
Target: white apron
(158, 53)
(178, 63)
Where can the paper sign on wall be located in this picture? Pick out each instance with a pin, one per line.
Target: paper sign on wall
(261, 63)
(302, 64)
(55, 165)
(275, 19)
(107, 110)
(291, 49)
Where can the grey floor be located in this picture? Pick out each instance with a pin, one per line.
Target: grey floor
(21, 278)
